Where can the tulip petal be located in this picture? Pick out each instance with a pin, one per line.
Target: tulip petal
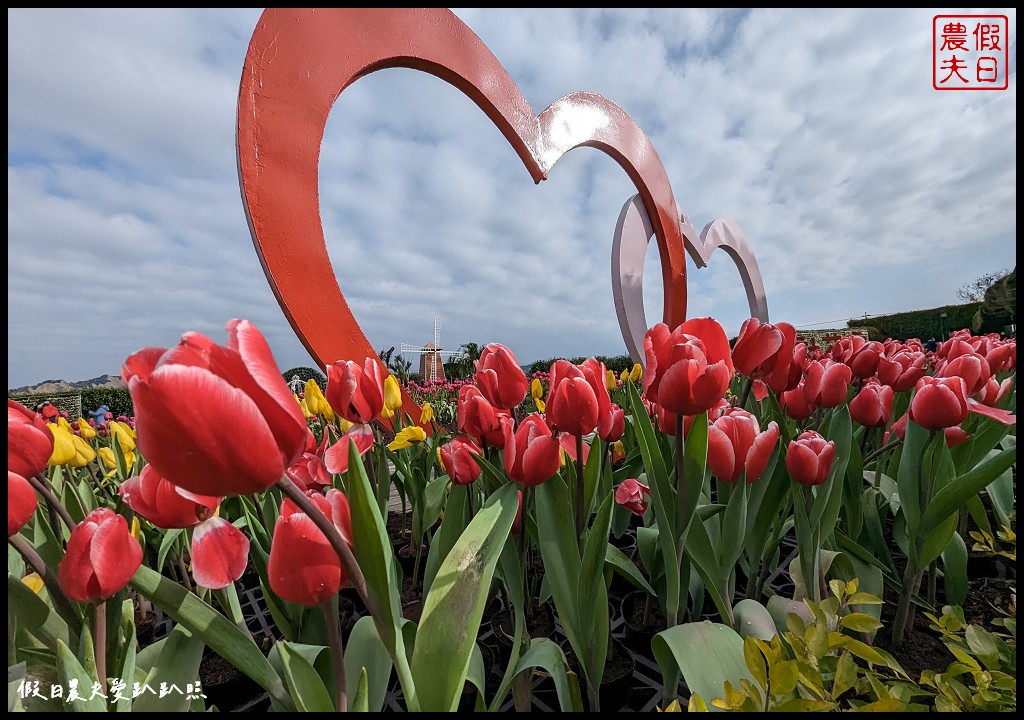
(220, 553)
(198, 445)
(114, 555)
(999, 415)
(336, 456)
(21, 502)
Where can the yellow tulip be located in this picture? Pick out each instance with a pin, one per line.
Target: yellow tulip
(107, 458)
(316, 403)
(33, 582)
(609, 380)
(302, 404)
(136, 527)
(63, 422)
(407, 436)
(636, 373)
(63, 445)
(87, 430)
(536, 389)
(426, 414)
(540, 404)
(392, 394)
(624, 375)
(84, 453)
(124, 434)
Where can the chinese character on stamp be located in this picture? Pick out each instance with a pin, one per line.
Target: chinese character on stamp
(970, 52)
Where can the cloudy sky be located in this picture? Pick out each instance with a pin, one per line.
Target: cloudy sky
(818, 132)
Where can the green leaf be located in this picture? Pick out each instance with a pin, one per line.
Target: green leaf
(452, 525)
(36, 617)
(983, 644)
(178, 665)
(167, 542)
(559, 550)
(592, 595)
(126, 643)
(453, 608)
(366, 656)
(212, 628)
(376, 559)
(755, 660)
(1001, 492)
(860, 622)
(908, 478)
(754, 620)
(953, 496)
(546, 655)
(846, 675)
(783, 677)
(780, 608)
(708, 654)
(15, 679)
(621, 563)
(954, 570)
(825, 512)
(360, 700)
(68, 669)
(304, 684)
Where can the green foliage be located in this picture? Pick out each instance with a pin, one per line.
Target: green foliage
(305, 373)
(616, 363)
(983, 678)
(821, 666)
(935, 323)
(118, 399)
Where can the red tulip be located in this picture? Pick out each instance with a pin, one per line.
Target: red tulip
(872, 406)
(29, 440)
(973, 368)
(102, 556)
(939, 403)
(809, 458)
(220, 552)
(533, 454)
(309, 471)
(303, 567)
(575, 395)
(900, 367)
(612, 424)
(995, 392)
(336, 456)
(459, 460)
(163, 503)
(213, 419)
(631, 493)
(1002, 356)
(795, 403)
(826, 383)
(689, 368)
(500, 377)
(736, 443)
(764, 350)
(356, 391)
(956, 435)
(479, 419)
(21, 502)
(568, 443)
(859, 354)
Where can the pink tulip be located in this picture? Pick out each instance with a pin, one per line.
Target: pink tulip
(939, 403)
(872, 406)
(689, 368)
(736, 444)
(632, 495)
(809, 458)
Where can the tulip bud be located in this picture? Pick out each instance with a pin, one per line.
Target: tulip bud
(632, 495)
(101, 557)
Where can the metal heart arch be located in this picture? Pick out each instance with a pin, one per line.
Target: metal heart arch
(633, 231)
(298, 63)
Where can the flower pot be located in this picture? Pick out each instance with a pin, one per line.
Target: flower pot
(637, 634)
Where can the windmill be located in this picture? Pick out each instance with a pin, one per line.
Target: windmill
(432, 357)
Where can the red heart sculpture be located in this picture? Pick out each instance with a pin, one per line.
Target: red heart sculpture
(298, 63)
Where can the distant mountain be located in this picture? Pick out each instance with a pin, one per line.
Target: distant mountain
(56, 386)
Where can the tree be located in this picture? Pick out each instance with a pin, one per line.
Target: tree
(975, 291)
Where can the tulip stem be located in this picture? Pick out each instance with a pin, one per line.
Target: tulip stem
(100, 643)
(681, 509)
(581, 512)
(885, 448)
(27, 551)
(40, 483)
(328, 528)
(747, 384)
(337, 651)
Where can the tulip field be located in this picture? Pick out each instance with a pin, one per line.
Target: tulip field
(794, 524)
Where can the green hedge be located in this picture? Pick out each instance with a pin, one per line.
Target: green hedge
(616, 364)
(923, 324)
(117, 399)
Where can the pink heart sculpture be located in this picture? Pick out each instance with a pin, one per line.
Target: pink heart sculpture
(629, 247)
(299, 62)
